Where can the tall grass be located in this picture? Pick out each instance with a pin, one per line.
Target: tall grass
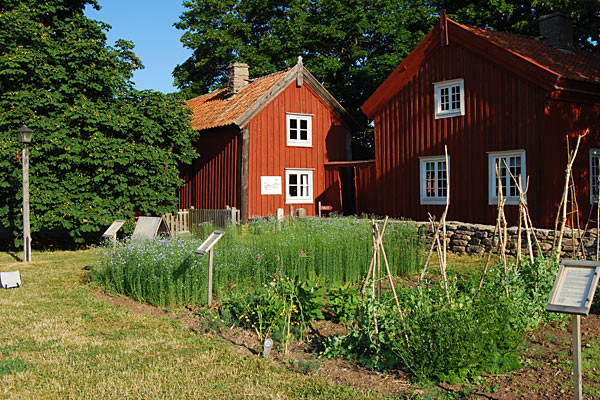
(329, 251)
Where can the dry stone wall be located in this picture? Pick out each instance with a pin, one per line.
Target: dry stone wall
(464, 238)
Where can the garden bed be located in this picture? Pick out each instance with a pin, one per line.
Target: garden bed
(299, 283)
(546, 371)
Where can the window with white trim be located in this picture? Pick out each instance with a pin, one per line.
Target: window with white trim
(449, 98)
(513, 161)
(299, 130)
(594, 173)
(434, 186)
(299, 186)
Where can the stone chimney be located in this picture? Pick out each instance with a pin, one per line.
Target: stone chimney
(237, 78)
(556, 30)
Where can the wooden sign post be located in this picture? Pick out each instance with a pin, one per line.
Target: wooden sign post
(207, 247)
(573, 292)
(111, 232)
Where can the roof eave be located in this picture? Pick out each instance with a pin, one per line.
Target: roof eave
(401, 75)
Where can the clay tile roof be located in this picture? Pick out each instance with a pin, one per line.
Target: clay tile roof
(218, 109)
(579, 65)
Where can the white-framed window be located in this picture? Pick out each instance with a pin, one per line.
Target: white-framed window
(299, 130)
(298, 186)
(434, 186)
(594, 173)
(513, 161)
(449, 98)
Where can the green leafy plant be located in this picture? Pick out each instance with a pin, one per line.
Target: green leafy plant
(478, 332)
(284, 305)
(341, 301)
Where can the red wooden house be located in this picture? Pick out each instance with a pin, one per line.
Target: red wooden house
(265, 143)
(490, 97)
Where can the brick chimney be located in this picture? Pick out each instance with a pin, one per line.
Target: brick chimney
(556, 30)
(237, 78)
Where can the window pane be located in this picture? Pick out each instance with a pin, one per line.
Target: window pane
(293, 134)
(455, 97)
(293, 179)
(444, 99)
(442, 184)
(303, 124)
(294, 123)
(430, 179)
(293, 191)
(303, 135)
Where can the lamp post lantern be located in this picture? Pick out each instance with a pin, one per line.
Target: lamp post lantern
(25, 136)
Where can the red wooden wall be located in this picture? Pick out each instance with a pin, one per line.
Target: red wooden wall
(502, 112)
(213, 180)
(364, 188)
(269, 154)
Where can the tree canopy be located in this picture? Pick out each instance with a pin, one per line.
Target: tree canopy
(101, 150)
(351, 46)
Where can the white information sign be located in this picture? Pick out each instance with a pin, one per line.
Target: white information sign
(111, 232)
(270, 185)
(574, 287)
(209, 243)
(147, 227)
(9, 280)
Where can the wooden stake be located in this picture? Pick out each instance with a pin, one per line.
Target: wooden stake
(570, 160)
(436, 232)
(210, 277)
(520, 229)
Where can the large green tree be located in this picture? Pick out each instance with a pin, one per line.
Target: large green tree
(521, 17)
(350, 45)
(101, 150)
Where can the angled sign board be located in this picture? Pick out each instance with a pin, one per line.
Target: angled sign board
(111, 232)
(148, 227)
(210, 242)
(574, 287)
(9, 280)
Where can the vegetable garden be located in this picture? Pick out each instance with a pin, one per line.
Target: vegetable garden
(278, 278)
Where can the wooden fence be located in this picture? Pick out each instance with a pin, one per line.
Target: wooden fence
(188, 220)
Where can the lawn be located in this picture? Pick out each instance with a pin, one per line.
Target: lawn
(59, 340)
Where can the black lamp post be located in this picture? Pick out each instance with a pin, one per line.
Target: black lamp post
(25, 135)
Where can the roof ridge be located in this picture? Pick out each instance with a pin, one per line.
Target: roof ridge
(253, 80)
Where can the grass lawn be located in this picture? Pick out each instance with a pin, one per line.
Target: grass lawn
(57, 340)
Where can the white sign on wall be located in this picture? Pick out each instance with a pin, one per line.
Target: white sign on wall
(270, 185)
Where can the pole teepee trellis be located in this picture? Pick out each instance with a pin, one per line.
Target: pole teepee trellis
(569, 188)
(440, 228)
(374, 275)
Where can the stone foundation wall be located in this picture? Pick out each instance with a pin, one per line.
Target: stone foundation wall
(464, 238)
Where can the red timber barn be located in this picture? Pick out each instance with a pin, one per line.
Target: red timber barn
(265, 143)
(489, 97)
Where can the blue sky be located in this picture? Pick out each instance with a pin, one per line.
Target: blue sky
(149, 25)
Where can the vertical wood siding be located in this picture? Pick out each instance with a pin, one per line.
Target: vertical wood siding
(502, 112)
(212, 181)
(270, 155)
(364, 183)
